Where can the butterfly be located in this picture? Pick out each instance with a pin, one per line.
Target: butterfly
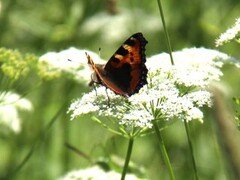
(125, 73)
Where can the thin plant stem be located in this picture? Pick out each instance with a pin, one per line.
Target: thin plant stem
(165, 31)
(191, 150)
(164, 151)
(128, 156)
(35, 145)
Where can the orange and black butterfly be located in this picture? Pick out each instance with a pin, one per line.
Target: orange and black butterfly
(125, 73)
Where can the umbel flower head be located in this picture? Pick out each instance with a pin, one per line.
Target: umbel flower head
(173, 92)
(95, 173)
(14, 64)
(70, 62)
(10, 105)
(230, 34)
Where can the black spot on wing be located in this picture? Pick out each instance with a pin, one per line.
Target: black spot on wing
(130, 41)
(114, 59)
(122, 51)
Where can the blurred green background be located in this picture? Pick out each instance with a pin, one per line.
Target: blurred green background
(42, 26)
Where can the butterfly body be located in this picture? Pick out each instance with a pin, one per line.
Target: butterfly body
(125, 73)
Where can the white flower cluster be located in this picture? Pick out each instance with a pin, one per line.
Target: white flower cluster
(178, 91)
(95, 173)
(106, 104)
(173, 91)
(71, 61)
(10, 104)
(193, 67)
(231, 34)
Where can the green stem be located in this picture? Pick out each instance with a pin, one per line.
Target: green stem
(164, 151)
(36, 144)
(128, 156)
(191, 150)
(165, 30)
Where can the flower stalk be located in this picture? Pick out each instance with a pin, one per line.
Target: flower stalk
(191, 149)
(165, 31)
(164, 151)
(128, 156)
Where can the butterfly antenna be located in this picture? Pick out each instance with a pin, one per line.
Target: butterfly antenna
(75, 61)
(99, 52)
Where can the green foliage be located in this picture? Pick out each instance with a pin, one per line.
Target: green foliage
(16, 65)
(237, 111)
(47, 72)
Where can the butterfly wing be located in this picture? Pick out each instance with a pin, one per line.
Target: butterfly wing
(126, 70)
(101, 76)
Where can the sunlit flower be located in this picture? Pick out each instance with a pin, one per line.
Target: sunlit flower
(173, 92)
(193, 67)
(10, 104)
(72, 62)
(95, 173)
(231, 34)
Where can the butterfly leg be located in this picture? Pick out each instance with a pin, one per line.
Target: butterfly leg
(107, 97)
(95, 89)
